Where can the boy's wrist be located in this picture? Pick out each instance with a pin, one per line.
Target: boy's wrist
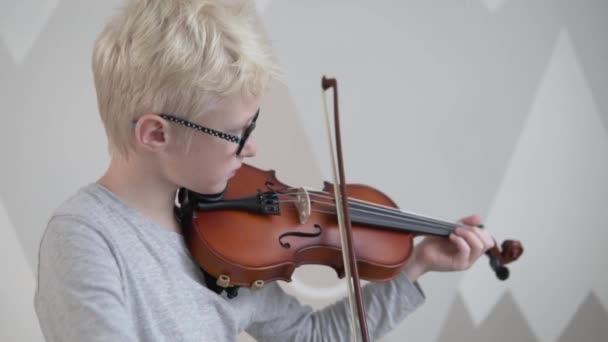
(414, 269)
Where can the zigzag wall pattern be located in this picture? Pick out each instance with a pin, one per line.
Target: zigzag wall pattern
(561, 157)
(506, 322)
(459, 83)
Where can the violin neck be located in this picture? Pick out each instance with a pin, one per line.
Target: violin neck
(393, 219)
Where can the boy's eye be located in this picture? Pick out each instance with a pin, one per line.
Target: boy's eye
(237, 131)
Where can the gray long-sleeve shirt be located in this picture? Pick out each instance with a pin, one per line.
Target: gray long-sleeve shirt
(107, 273)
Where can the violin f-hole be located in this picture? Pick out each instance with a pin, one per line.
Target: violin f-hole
(287, 245)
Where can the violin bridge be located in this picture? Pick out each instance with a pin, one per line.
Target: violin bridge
(302, 204)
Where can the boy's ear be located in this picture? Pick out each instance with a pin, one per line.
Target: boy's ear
(152, 132)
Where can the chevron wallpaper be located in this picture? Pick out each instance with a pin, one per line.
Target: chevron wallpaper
(495, 107)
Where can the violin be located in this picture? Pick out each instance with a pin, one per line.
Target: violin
(260, 230)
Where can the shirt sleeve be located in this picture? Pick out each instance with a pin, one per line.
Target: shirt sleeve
(386, 304)
(79, 294)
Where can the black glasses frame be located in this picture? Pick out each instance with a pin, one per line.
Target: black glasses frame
(229, 137)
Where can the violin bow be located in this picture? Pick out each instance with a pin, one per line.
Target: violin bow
(344, 222)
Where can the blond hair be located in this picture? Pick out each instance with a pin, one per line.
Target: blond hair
(177, 57)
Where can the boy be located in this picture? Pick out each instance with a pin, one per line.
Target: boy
(113, 265)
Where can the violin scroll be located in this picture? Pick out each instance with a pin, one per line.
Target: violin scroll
(511, 251)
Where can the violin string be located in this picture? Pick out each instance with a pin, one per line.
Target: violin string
(395, 216)
(384, 216)
(399, 213)
(354, 200)
(315, 210)
(378, 209)
(332, 206)
(356, 210)
(420, 229)
(371, 205)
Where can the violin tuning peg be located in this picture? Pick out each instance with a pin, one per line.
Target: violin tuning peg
(502, 273)
(223, 281)
(257, 284)
(500, 270)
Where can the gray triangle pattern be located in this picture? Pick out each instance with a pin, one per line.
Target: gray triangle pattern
(459, 324)
(22, 34)
(584, 23)
(493, 5)
(6, 63)
(7, 72)
(506, 323)
(589, 323)
(60, 59)
(50, 80)
(8, 83)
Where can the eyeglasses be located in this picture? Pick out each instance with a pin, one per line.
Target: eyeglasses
(229, 137)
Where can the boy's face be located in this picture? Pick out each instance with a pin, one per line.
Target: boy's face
(210, 161)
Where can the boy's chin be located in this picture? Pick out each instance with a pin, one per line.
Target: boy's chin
(208, 188)
(216, 189)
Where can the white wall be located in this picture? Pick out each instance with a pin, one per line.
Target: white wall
(492, 107)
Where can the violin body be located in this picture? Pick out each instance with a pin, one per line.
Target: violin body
(249, 249)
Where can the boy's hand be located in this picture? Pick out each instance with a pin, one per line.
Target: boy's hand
(456, 253)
